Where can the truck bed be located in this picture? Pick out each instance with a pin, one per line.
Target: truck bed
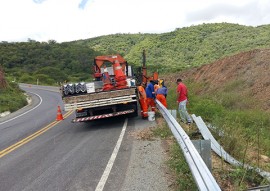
(102, 98)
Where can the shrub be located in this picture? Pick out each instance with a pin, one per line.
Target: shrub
(18, 99)
(207, 109)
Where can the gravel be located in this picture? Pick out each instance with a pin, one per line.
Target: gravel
(147, 168)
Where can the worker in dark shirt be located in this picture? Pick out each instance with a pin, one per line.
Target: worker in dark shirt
(161, 94)
(150, 94)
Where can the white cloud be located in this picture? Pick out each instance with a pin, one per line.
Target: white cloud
(67, 20)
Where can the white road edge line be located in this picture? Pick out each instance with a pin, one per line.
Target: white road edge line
(24, 112)
(109, 166)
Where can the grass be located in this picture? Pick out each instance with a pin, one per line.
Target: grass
(177, 163)
(11, 98)
(235, 113)
(246, 135)
(246, 128)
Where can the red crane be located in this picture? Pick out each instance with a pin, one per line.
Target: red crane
(119, 67)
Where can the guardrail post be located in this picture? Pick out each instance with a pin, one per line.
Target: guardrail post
(173, 112)
(204, 149)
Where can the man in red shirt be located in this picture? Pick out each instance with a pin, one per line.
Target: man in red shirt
(182, 99)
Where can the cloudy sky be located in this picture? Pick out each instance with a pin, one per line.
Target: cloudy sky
(68, 20)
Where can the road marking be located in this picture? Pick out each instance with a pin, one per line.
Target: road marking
(109, 166)
(24, 112)
(31, 137)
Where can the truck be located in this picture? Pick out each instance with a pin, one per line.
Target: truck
(112, 93)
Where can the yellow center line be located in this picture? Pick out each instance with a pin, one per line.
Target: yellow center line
(31, 137)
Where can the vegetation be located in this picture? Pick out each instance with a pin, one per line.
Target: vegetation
(18, 99)
(245, 135)
(52, 62)
(185, 47)
(49, 63)
(176, 162)
(245, 127)
(237, 116)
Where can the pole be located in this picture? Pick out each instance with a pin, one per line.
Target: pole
(144, 70)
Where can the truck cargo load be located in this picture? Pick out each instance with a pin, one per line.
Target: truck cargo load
(112, 93)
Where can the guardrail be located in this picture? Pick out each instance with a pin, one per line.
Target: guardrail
(201, 174)
(217, 148)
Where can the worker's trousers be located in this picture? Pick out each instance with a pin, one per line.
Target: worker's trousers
(151, 103)
(182, 108)
(144, 107)
(162, 99)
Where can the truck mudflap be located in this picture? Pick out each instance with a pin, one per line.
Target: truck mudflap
(91, 118)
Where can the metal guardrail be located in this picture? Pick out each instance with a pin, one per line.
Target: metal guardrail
(201, 174)
(217, 148)
(260, 188)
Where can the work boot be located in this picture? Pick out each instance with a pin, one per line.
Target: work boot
(145, 117)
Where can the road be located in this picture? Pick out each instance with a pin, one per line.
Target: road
(38, 153)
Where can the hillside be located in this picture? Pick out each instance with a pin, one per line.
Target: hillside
(52, 62)
(12, 98)
(49, 63)
(225, 63)
(232, 94)
(185, 47)
(244, 76)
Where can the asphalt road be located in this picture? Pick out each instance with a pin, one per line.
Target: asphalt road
(65, 156)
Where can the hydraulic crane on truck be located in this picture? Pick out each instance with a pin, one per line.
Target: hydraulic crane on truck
(119, 65)
(110, 94)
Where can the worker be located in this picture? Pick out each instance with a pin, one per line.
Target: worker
(151, 95)
(161, 95)
(143, 100)
(182, 100)
(156, 85)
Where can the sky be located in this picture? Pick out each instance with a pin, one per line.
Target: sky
(69, 20)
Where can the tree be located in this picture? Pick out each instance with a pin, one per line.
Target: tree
(3, 82)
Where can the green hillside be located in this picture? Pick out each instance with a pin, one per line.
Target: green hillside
(184, 47)
(48, 63)
(52, 62)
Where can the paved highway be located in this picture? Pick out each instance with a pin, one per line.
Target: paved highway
(38, 153)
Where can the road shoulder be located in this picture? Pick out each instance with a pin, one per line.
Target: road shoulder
(147, 169)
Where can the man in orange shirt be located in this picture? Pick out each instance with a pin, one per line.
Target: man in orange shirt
(143, 100)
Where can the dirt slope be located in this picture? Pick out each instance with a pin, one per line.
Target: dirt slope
(248, 71)
(246, 74)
